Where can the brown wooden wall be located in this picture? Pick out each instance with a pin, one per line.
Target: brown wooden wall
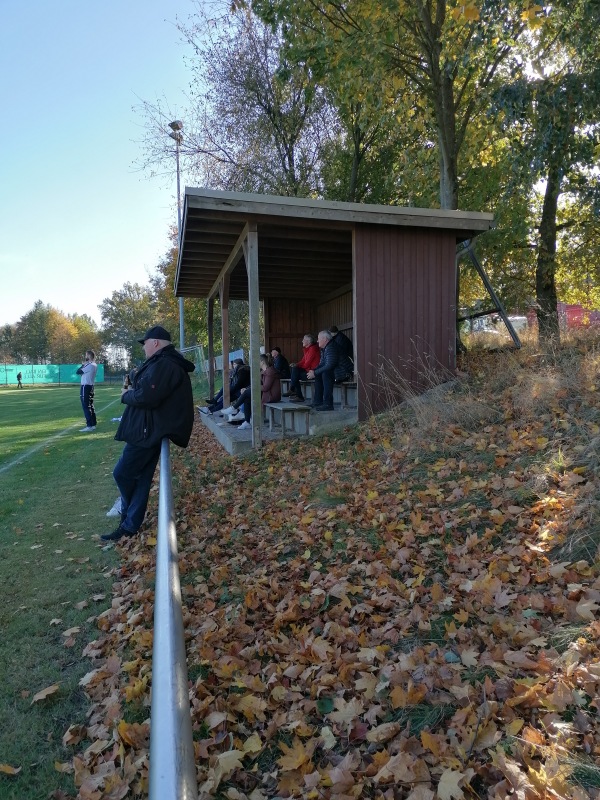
(286, 322)
(337, 311)
(405, 310)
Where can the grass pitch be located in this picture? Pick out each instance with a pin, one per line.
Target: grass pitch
(55, 488)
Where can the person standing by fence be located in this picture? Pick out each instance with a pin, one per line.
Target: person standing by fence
(19, 380)
(159, 404)
(88, 375)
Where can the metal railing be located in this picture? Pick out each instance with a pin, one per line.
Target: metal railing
(172, 764)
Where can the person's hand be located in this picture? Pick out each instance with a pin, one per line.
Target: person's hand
(310, 374)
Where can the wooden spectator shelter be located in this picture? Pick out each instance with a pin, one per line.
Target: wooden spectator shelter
(385, 275)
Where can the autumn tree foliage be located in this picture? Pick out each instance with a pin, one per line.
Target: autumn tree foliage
(45, 335)
(256, 121)
(489, 104)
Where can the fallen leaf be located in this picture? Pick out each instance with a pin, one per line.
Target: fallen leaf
(44, 693)
(6, 769)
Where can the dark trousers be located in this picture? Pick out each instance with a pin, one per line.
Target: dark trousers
(133, 475)
(247, 406)
(323, 388)
(87, 403)
(298, 374)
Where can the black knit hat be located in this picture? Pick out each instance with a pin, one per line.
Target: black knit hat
(157, 332)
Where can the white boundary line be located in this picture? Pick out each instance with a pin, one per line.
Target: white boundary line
(36, 448)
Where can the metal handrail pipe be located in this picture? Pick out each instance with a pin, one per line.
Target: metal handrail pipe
(172, 764)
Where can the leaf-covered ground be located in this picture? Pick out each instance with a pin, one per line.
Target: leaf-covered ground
(407, 610)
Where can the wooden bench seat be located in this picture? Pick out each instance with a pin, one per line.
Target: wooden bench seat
(290, 414)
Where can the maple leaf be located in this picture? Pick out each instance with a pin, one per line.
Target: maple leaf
(421, 793)
(294, 757)
(253, 744)
(74, 734)
(448, 788)
(134, 734)
(586, 609)
(252, 707)
(397, 769)
(347, 711)
(222, 766)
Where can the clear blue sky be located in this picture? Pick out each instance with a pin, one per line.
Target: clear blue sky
(76, 220)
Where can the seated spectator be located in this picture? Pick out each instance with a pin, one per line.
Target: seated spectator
(343, 343)
(324, 374)
(238, 380)
(270, 392)
(344, 370)
(280, 363)
(299, 371)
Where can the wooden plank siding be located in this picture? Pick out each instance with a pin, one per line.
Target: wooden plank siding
(405, 311)
(286, 322)
(337, 311)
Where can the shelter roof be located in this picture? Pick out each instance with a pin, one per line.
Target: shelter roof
(304, 245)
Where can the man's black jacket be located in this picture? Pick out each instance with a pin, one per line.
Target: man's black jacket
(160, 403)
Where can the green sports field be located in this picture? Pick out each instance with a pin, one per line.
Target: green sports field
(55, 488)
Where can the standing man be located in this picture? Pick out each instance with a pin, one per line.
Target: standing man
(88, 375)
(19, 380)
(158, 404)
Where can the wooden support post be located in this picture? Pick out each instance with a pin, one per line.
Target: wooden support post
(224, 297)
(211, 346)
(251, 258)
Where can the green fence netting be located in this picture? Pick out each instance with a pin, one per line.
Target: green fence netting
(44, 373)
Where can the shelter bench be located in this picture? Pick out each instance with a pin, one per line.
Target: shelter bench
(343, 393)
(289, 413)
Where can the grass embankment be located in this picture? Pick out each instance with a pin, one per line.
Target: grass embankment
(404, 610)
(55, 488)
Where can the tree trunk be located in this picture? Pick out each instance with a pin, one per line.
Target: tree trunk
(545, 273)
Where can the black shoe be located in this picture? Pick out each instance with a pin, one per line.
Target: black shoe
(209, 401)
(116, 535)
(323, 407)
(287, 394)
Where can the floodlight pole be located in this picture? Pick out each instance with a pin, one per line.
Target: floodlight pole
(176, 128)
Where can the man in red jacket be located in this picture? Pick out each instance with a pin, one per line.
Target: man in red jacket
(310, 359)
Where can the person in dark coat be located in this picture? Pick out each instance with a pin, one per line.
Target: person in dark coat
(239, 379)
(341, 341)
(158, 405)
(324, 374)
(280, 362)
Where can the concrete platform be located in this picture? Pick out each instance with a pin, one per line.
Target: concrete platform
(237, 442)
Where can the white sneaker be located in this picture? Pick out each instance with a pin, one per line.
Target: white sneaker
(87, 429)
(204, 410)
(244, 426)
(236, 417)
(230, 410)
(115, 511)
